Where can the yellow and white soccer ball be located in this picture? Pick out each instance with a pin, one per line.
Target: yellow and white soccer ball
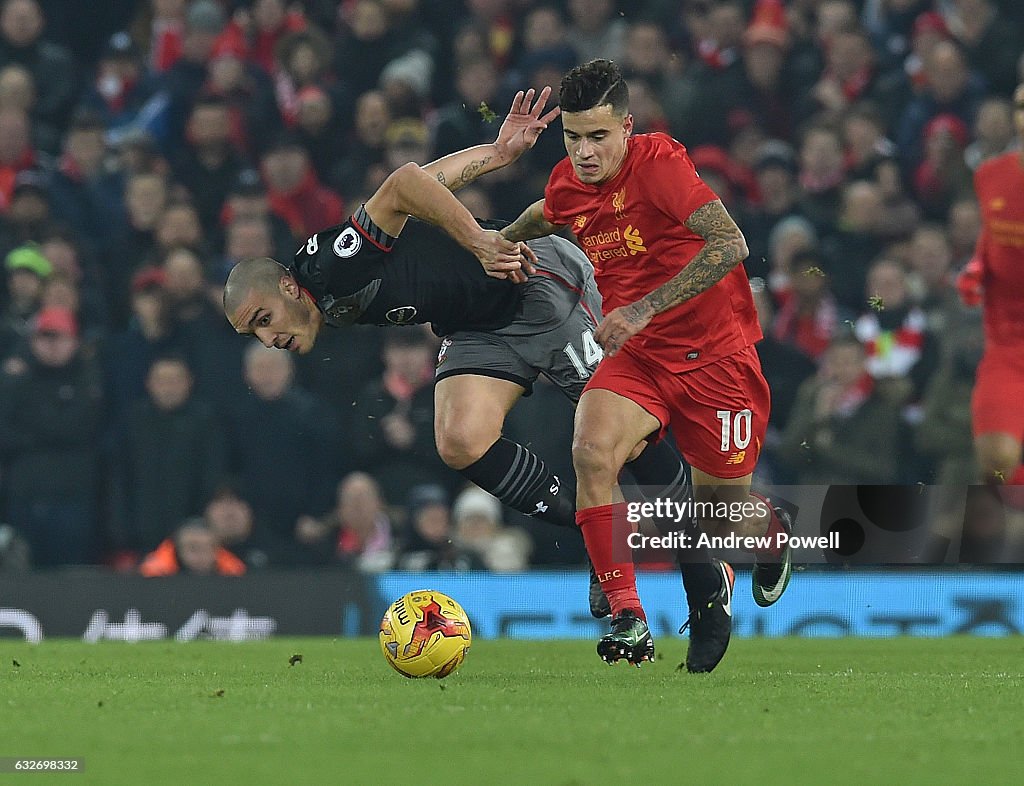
(425, 634)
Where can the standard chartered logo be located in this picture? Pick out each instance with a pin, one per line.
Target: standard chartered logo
(634, 242)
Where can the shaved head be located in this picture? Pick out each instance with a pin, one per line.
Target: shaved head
(262, 298)
(261, 274)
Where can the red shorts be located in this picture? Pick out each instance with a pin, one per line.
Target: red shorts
(718, 413)
(998, 393)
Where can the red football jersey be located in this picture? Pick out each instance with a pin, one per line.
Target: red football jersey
(633, 229)
(999, 185)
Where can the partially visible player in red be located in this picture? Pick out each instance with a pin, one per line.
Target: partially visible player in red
(995, 278)
(678, 335)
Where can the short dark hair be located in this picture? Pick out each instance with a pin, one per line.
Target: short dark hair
(593, 84)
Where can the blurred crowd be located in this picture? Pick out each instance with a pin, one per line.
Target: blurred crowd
(145, 147)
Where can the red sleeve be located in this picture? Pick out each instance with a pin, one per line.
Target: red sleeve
(673, 185)
(553, 196)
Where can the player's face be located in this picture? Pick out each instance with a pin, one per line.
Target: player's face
(595, 140)
(281, 319)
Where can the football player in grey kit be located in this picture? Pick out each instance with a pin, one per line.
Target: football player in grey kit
(507, 313)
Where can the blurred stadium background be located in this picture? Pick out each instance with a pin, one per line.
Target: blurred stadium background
(147, 146)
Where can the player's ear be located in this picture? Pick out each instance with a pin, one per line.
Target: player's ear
(289, 287)
(627, 124)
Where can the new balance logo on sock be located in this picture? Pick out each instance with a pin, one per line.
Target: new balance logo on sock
(612, 574)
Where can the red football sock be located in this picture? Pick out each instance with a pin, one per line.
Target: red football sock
(774, 528)
(620, 582)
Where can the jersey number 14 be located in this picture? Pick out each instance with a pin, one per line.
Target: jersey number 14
(592, 354)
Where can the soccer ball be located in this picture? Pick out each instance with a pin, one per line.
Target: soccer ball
(425, 634)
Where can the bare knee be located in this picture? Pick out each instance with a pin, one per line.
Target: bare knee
(594, 461)
(463, 442)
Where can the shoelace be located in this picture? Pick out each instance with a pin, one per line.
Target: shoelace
(694, 615)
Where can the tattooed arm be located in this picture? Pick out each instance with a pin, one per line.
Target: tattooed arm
(518, 133)
(724, 248)
(530, 224)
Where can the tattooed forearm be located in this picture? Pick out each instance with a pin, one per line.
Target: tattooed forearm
(469, 173)
(723, 250)
(530, 224)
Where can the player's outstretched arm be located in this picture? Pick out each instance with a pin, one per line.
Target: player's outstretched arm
(530, 224)
(411, 191)
(518, 133)
(724, 248)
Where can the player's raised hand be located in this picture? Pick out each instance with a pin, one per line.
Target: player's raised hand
(524, 123)
(621, 325)
(502, 258)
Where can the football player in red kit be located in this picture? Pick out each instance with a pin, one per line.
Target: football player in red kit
(995, 277)
(678, 333)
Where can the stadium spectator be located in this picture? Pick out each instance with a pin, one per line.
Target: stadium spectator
(27, 270)
(357, 530)
(248, 93)
(840, 429)
(785, 367)
(931, 282)
(943, 175)
(822, 172)
(595, 31)
(53, 68)
(16, 152)
(392, 424)
(853, 243)
(82, 191)
(183, 81)
(230, 516)
(993, 132)
(944, 434)
(775, 171)
(808, 317)
(162, 24)
(950, 88)
(464, 121)
(281, 428)
(50, 411)
(479, 529)
(900, 352)
(129, 352)
(248, 200)
(209, 163)
(294, 191)
(428, 543)
(365, 152)
(121, 86)
(990, 41)
(192, 550)
(168, 460)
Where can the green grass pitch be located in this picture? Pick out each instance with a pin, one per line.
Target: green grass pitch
(776, 711)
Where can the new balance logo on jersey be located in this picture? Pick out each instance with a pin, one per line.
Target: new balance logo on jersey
(578, 223)
(347, 243)
(634, 242)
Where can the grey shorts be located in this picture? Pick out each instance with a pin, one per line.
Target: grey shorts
(552, 333)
